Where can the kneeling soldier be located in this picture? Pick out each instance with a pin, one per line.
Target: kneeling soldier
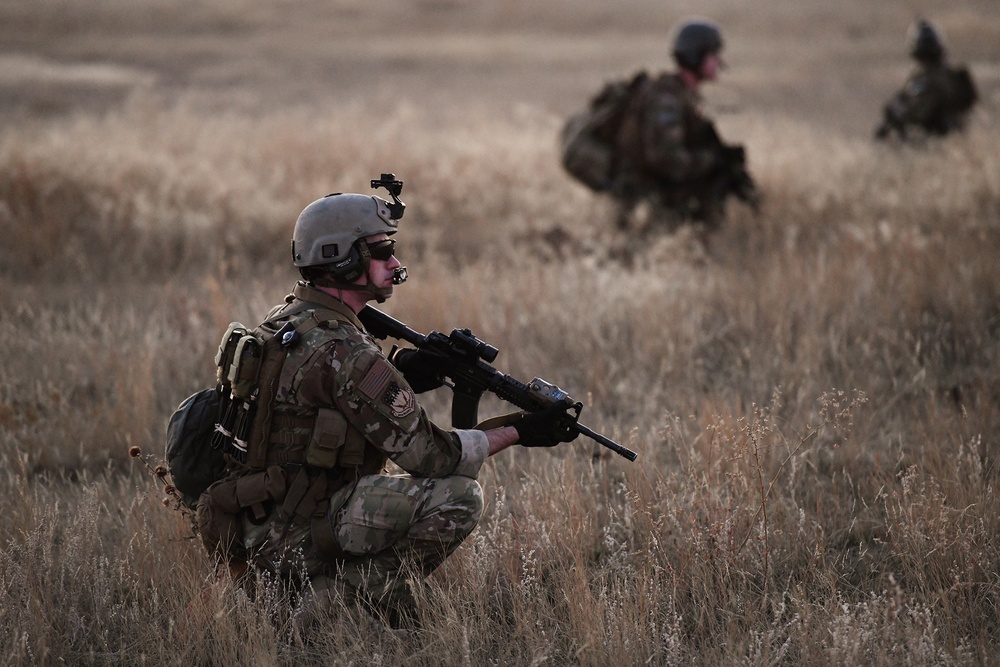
(312, 495)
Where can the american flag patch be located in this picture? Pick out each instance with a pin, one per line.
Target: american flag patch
(375, 381)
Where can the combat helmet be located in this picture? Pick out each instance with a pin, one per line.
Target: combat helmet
(328, 240)
(926, 43)
(696, 39)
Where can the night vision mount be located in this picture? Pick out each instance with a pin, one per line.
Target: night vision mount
(394, 186)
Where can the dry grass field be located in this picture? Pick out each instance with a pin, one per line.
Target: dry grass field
(815, 398)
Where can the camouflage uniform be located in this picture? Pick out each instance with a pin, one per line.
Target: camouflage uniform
(358, 528)
(664, 149)
(937, 97)
(927, 101)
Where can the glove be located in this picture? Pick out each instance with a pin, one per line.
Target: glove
(548, 427)
(423, 370)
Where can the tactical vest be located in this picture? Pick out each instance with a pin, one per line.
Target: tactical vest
(257, 429)
(292, 458)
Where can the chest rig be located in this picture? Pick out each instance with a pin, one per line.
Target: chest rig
(256, 428)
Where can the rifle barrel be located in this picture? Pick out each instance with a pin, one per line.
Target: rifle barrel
(606, 441)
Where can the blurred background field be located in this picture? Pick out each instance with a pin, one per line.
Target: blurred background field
(815, 399)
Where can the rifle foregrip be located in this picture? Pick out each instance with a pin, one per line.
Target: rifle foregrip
(516, 393)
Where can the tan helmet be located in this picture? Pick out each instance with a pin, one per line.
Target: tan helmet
(327, 231)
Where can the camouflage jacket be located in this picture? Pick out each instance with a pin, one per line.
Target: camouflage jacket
(338, 372)
(664, 137)
(930, 100)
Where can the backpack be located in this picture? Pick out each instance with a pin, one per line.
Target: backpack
(586, 145)
(222, 424)
(218, 424)
(192, 461)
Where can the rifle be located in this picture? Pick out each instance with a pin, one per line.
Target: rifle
(729, 176)
(471, 375)
(733, 178)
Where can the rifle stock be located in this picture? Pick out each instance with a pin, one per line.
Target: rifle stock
(471, 376)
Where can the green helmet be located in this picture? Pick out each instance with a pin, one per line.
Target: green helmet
(696, 39)
(926, 43)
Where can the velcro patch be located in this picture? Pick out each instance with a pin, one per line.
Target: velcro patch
(376, 380)
(401, 401)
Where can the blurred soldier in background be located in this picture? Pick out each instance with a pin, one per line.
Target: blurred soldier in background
(312, 497)
(647, 140)
(937, 98)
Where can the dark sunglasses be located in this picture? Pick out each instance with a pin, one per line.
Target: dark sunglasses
(382, 250)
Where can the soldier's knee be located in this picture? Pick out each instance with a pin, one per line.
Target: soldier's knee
(457, 508)
(466, 496)
(449, 514)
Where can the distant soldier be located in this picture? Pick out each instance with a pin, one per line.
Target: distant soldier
(937, 98)
(654, 144)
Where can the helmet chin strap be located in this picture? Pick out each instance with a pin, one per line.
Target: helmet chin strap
(380, 294)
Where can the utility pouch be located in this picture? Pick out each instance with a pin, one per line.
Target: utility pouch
(334, 442)
(328, 438)
(222, 438)
(226, 353)
(219, 508)
(243, 372)
(353, 453)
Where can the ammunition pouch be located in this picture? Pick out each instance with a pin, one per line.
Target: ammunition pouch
(334, 442)
(323, 439)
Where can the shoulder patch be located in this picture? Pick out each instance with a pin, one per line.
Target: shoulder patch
(400, 400)
(376, 381)
(383, 389)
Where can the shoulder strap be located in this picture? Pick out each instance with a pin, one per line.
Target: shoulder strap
(272, 359)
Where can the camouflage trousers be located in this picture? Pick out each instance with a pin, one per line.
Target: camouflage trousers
(386, 529)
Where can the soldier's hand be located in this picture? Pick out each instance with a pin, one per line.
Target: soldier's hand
(550, 426)
(422, 369)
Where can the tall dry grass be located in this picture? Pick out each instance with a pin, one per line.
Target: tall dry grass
(814, 398)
